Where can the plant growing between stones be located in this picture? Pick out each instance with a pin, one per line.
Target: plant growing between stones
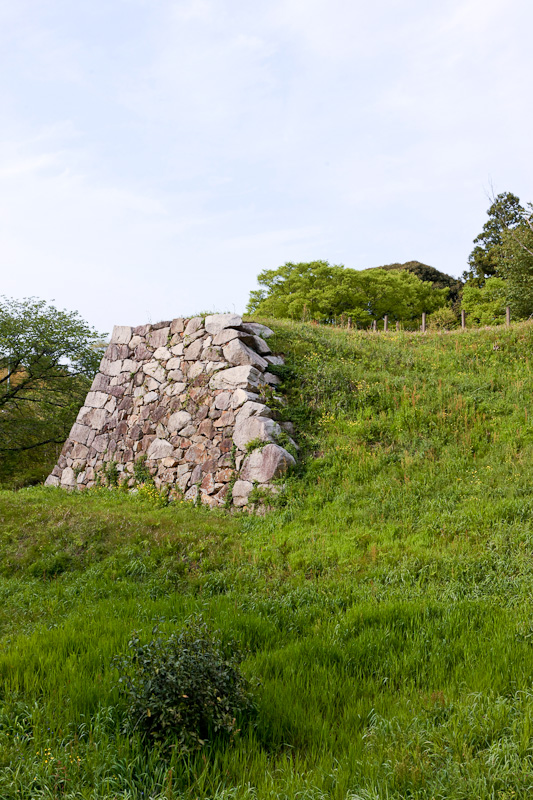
(255, 444)
(141, 473)
(185, 690)
(111, 473)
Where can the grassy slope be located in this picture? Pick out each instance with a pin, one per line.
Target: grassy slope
(385, 604)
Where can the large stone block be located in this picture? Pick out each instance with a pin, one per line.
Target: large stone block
(178, 421)
(258, 329)
(121, 334)
(158, 338)
(215, 323)
(241, 492)
(96, 399)
(110, 368)
(248, 429)
(236, 352)
(245, 377)
(266, 463)
(159, 448)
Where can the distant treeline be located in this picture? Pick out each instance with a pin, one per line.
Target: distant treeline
(499, 274)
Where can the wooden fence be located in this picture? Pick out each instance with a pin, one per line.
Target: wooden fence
(346, 322)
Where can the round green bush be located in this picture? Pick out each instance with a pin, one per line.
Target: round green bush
(184, 690)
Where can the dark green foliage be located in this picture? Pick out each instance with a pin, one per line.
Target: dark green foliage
(141, 472)
(111, 473)
(440, 280)
(184, 690)
(504, 213)
(47, 360)
(516, 265)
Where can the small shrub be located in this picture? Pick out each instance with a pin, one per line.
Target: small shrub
(112, 474)
(255, 444)
(443, 319)
(141, 472)
(184, 690)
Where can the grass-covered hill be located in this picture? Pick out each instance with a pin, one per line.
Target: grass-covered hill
(384, 605)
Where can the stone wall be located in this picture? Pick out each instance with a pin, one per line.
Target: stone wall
(185, 397)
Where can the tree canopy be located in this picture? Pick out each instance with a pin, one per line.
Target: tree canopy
(516, 264)
(322, 291)
(47, 359)
(439, 280)
(505, 213)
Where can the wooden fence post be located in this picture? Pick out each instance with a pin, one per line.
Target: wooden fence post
(349, 323)
(507, 315)
(386, 322)
(397, 325)
(423, 321)
(374, 326)
(463, 320)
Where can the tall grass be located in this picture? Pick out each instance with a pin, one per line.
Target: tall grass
(384, 604)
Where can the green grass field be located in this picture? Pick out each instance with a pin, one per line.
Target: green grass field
(384, 605)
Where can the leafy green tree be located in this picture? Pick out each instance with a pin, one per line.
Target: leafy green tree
(439, 280)
(485, 305)
(323, 292)
(484, 261)
(516, 265)
(47, 360)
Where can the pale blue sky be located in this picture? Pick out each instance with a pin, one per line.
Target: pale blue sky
(156, 155)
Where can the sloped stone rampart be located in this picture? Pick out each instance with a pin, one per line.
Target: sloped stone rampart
(185, 396)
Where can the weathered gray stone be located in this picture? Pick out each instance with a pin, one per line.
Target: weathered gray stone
(240, 396)
(240, 493)
(162, 354)
(159, 448)
(100, 383)
(129, 365)
(228, 334)
(215, 366)
(155, 371)
(110, 368)
(177, 325)
(158, 338)
(253, 409)
(96, 399)
(215, 323)
(194, 370)
(192, 352)
(260, 346)
(68, 478)
(277, 360)
(247, 429)
(121, 334)
(100, 443)
(52, 480)
(236, 352)
(266, 463)
(95, 418)
(193, 326)
(258, 329)
(271, 379)
(246, 377)
(79, 433)
(223, 400)
(150, 397)
(178, 421)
